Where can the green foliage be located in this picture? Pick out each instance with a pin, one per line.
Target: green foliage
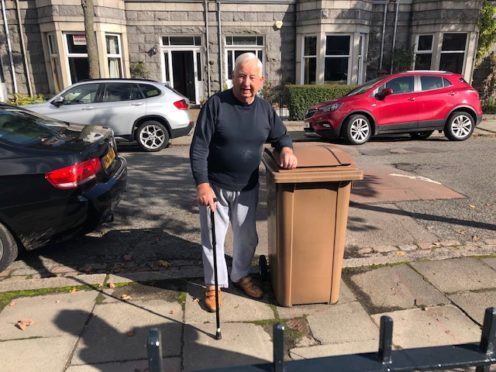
(138, 70)
(403, 60)
(301, 97)
(20, 99)
(489, 105)
(487, 28)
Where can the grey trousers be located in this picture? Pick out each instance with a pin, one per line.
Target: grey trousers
(239, 208)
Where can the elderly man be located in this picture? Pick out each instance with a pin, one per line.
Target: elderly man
(225, 154)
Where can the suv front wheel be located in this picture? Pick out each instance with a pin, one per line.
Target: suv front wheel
(358, 129)
(459, 127)
(152, 136)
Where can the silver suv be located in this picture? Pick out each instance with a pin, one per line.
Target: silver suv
(143, 110)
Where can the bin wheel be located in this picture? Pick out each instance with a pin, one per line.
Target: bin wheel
(264, 268)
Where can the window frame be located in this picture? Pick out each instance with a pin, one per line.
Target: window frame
(305, 58)
(423, 51)
(114, 56)
(339, 56)
(232, 48)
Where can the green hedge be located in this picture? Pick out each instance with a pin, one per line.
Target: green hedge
(301, 97)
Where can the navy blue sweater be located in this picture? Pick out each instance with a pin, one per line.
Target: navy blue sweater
(228, 141)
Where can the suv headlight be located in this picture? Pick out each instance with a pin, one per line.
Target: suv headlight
(332, 107)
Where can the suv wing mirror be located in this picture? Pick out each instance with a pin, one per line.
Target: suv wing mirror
(58, 101)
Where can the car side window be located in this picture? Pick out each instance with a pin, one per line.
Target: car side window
(149, 90)
(81, 94)
(446, 82)
(431, 82)
(404, 84)
(117, 92)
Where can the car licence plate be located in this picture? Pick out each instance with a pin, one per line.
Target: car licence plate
(108, 158)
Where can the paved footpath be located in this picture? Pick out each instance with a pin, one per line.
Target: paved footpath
(435, 294)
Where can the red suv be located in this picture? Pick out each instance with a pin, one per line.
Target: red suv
(414, 102)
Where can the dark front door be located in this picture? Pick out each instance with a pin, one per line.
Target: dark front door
(184, 73)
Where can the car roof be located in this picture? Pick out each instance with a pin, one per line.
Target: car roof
(119, 80)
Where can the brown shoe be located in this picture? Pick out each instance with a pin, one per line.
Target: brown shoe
(210, 299)
(247, 284)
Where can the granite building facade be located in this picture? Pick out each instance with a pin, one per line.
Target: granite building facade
(192, 44)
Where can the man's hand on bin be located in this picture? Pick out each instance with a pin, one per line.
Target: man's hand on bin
(287, 158)
(205, 195)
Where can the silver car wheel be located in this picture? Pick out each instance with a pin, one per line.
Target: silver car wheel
(358, 130)
(460, 126)
(152, 136)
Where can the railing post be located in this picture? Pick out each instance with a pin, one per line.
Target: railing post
(154, 348)
(278, 347)
(385, 340)
(488, 337)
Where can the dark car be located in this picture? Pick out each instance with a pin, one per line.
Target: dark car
(57, 180)
(414, 102)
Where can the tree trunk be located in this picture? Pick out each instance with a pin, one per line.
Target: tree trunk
(91, 39)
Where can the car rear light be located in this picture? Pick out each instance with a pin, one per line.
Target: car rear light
(181, 104)
(72, 176)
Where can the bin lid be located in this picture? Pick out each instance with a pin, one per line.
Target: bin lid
(317, 162)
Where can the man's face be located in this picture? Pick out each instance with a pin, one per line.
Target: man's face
(247, 81)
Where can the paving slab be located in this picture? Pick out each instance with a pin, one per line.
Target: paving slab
(169, 364)
(241, 344)
(470, 274)
(475, 303)
(21, 283)
(235, 306)
(432, 326)
(371, 224)
(48, 354)
(396, 287)
(345, 297)
(342, 324)
(490, 261)
(345, 348)
(45, 313)
(388, 184)
(118, 331)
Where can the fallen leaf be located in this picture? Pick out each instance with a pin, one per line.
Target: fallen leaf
(476, 238)
(130, 333)
(111, 285)
(196, 300)
(24, 324)
(400, 253)
(125, 297)
(164, 263)
(471, 206)
(73, 290)
(12, 303)
(171, 312)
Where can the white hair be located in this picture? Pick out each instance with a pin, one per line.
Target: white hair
(245, 57)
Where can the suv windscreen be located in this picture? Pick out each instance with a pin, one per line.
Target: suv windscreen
(81, 94)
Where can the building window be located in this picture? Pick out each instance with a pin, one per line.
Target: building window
(309, 59)
(237, 45)
(114, 58)
(337, 59)
(181, 40)
(53, 51)
(77, 57)
(361, 59)
(453, 52)
(423, 52)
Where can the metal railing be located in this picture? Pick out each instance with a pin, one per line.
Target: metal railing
(480, 355)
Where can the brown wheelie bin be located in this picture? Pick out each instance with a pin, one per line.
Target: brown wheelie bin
(307, 218)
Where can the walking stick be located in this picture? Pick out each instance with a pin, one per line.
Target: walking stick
(218, 335)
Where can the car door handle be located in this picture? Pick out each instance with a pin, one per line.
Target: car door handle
(88, 108)
(451, 93)
(137, 104)
(411, 99)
